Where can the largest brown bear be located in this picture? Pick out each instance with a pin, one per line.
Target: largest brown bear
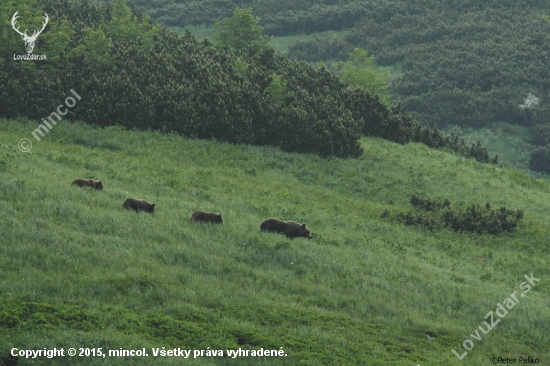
(96, 184)
(211, 217)
(290, 228)
(138, 205)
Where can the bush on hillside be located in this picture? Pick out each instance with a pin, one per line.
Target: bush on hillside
(428, 204)
(437, 214)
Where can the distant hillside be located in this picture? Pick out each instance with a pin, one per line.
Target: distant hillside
(80, 271)
(463, 68)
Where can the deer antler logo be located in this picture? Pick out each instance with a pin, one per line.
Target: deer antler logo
(29, 41)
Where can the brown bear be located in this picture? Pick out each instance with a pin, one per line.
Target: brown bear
(201, 216)
(290, 228)
(96, 184)
(138, 205)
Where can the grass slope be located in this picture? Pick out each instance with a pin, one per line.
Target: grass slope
(79, 271)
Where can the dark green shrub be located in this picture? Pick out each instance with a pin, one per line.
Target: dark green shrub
(439, 213)
(427, 204)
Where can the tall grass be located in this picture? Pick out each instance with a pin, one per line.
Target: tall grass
(80, 271)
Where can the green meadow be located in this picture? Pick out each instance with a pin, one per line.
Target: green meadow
(80, 271)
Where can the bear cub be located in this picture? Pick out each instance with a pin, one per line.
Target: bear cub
(138, 205)
(290, 228)
(211, 217)
(95, 184)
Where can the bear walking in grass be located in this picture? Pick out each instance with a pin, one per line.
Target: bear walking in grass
(290, 228)
(211, 217)
(138, 205)
(95, 184)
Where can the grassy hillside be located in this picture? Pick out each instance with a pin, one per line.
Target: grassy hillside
(79, 271)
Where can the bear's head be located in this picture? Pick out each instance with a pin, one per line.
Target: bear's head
(218, 218)
(304, 232)
(98, 185)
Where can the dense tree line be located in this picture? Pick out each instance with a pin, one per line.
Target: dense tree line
(131, 72)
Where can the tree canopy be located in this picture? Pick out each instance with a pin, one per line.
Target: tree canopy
(242, 33)
(359, 70)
